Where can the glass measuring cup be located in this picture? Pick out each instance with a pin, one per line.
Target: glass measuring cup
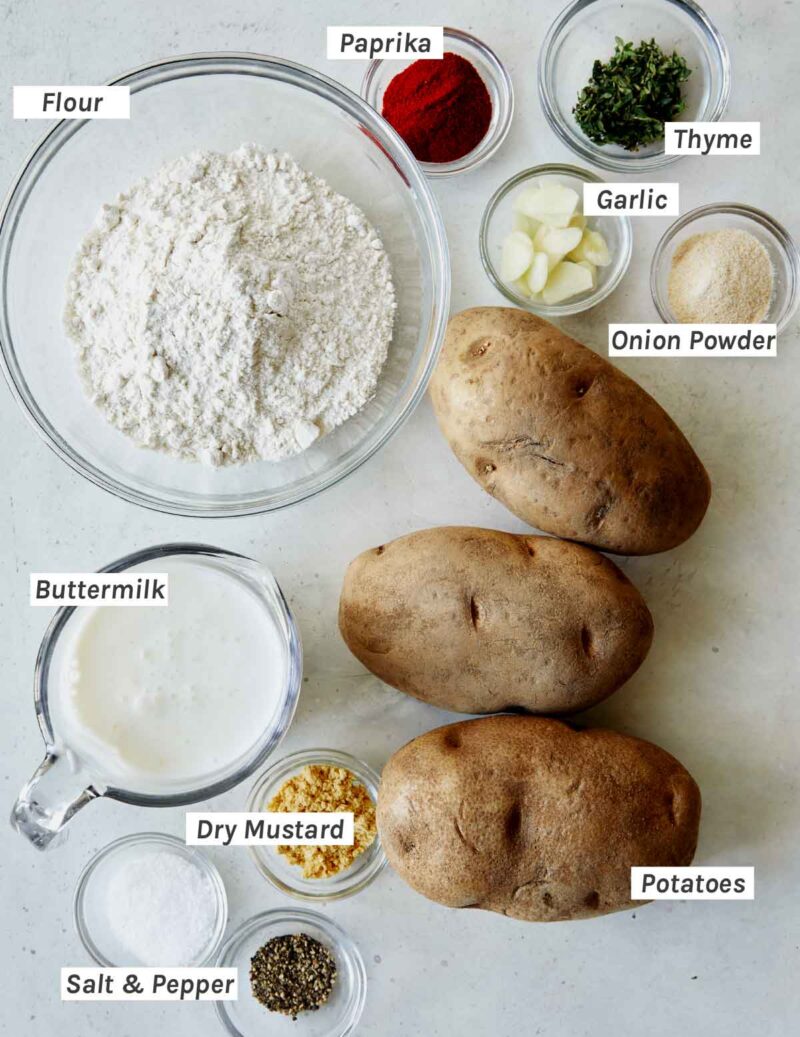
(65, 781)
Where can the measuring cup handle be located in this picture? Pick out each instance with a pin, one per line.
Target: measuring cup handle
(49, 800)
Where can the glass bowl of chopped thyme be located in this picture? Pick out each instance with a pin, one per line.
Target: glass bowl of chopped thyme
(585, 32)
(276, 867)
(499, 219)
(728, 216)
(339, 1012)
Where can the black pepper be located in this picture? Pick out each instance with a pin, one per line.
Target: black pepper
(292, 974)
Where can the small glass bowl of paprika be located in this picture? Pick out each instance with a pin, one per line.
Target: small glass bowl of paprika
(453, 112)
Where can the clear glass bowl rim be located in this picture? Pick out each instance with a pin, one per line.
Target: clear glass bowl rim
(779, 232)
(291, 764)
(208, 867)
(489, 145)
(344, 944)
(266, 66)
(262, 751)
(593, 153)
(567, 310)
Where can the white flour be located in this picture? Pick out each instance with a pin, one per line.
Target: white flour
(231, 307)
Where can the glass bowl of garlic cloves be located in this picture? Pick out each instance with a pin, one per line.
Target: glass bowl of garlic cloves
(542, 253)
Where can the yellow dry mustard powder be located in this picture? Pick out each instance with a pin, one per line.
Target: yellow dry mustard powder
(319, 788)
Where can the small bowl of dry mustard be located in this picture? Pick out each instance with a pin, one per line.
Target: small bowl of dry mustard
(320, 781)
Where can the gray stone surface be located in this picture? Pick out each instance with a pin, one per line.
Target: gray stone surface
(719, 689)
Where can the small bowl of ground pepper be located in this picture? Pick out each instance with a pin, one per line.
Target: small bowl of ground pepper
(452, 112)
(295, 966)
(318, 781)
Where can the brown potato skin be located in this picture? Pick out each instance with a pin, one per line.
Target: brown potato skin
(566, 441)
(480, 621)
(530, 818)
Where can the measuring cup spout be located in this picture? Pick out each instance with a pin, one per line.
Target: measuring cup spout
(49, 800)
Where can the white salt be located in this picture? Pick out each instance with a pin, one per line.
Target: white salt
(161, 909)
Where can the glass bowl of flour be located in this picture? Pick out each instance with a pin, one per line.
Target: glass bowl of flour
(227, 303)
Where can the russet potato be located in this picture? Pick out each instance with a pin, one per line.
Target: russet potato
(480, 621)
(563, 438)
(530, 818)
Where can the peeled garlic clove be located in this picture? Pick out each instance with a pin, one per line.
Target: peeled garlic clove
(538, 273)
(555, 219)
(553, 261)
(521, 223)
(527, 224)
(521, 285)
(595, 248)
(577, 255)
(517, 255)
(525, 202)
(552, 203)
(568, 279)
(578, 220)
(592, 270)
(557, 241)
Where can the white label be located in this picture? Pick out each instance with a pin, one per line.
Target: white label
(631, 199)
(99, 589)
(149, 984)
(693, 884)
(387, 42)
(698, 340)
(72, 102)
(268, 829)
(712, 138)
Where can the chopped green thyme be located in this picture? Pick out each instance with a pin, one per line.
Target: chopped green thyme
(631, 96)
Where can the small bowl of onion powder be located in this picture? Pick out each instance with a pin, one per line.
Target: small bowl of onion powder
(726, 263)
(320, 781)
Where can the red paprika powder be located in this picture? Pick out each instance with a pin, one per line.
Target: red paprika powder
(440, 107)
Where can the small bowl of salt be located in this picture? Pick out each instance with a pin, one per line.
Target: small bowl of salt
(150, 900)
